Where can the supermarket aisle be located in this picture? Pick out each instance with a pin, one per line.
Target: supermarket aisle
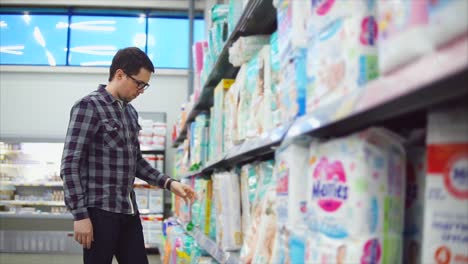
(54, 259)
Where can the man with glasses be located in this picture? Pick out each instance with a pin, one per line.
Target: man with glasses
(101, 159)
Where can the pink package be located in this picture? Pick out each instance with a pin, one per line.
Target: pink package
(197, 50)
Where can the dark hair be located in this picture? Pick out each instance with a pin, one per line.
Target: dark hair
(130, 60)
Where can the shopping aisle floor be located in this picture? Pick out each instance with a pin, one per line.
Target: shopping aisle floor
(54, 259)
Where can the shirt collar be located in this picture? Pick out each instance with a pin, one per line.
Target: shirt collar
(106, 96)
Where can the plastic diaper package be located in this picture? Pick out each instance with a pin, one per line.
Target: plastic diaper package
(262, 98)
(414, 205)
(445, 236)
(244, 120)
(244, 48)
(228, 212)
(356, 194)
(291, 195)
(248, 179)
(342, 50)
(403, 32)
(267, 229)
(265, 181)
(231, 104)
(218, 118)
(447, 20)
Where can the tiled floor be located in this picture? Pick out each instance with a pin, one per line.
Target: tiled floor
(7, 258)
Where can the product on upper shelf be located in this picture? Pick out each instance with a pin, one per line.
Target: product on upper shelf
(403, 32)
(342, 50)
(227, 198)
(218, 119)
(447, 20)
(235, 12)
(199, 141)
(356, 197)
(446, 198)
(292, 39)
(244, 48)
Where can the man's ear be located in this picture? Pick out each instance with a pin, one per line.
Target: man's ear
(119, 74)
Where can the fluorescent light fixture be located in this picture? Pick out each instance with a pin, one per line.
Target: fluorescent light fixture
(98, 25)
(3, 24)
(14, 50)
(95, 50)
(61, 25)
(38, 36)
(139, 40)
(96, 63)
(27, 18)
(50, 58)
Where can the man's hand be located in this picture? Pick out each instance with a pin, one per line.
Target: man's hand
(184, 191)
(83, 232)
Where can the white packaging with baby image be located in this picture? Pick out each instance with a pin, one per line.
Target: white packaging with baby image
(356, 190)
(445, 237)
(342, 50)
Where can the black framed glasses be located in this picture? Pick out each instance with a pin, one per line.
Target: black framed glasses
(140, 84)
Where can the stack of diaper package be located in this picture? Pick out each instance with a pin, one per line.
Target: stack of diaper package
(292, 17)
(291, 195)
(259, 214)
(445, 236)
(226, 191)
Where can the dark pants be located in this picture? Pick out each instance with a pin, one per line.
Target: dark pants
(115, 234)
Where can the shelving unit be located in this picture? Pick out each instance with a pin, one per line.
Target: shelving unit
(258, 17)
(33, 184)
(442, 79)
(35, 215)
(32, 203)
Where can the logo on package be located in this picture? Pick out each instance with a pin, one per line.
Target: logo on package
(456, 177)
(322, 7)
(329, 188)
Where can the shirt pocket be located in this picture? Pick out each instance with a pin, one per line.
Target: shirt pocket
(112, 133)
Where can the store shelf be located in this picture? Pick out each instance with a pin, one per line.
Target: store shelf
(211, 247)
(33, 184)
(35, 215)
(258, 17)
(32, 203)
(193, 173)
(442, 77)
(152, 151)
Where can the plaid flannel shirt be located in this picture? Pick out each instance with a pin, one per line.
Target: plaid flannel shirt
(102, 157)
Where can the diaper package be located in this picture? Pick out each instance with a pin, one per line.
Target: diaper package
(292, 40)
(244, 120)
(414, 205)
(218, 112)
(249, 179)
(267, 229)
(342, 49)
(356, 194)
(228, 212)
(447, 20)
(244, 48)
(403, 32)
(232, 111)
(275, 78)
(291, 195)
(445, 237)
(265, 182)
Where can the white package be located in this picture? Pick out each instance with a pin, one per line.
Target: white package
(356, 190)
(446, 197)
(228, 214)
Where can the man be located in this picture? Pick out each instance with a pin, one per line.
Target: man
(101, 159)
